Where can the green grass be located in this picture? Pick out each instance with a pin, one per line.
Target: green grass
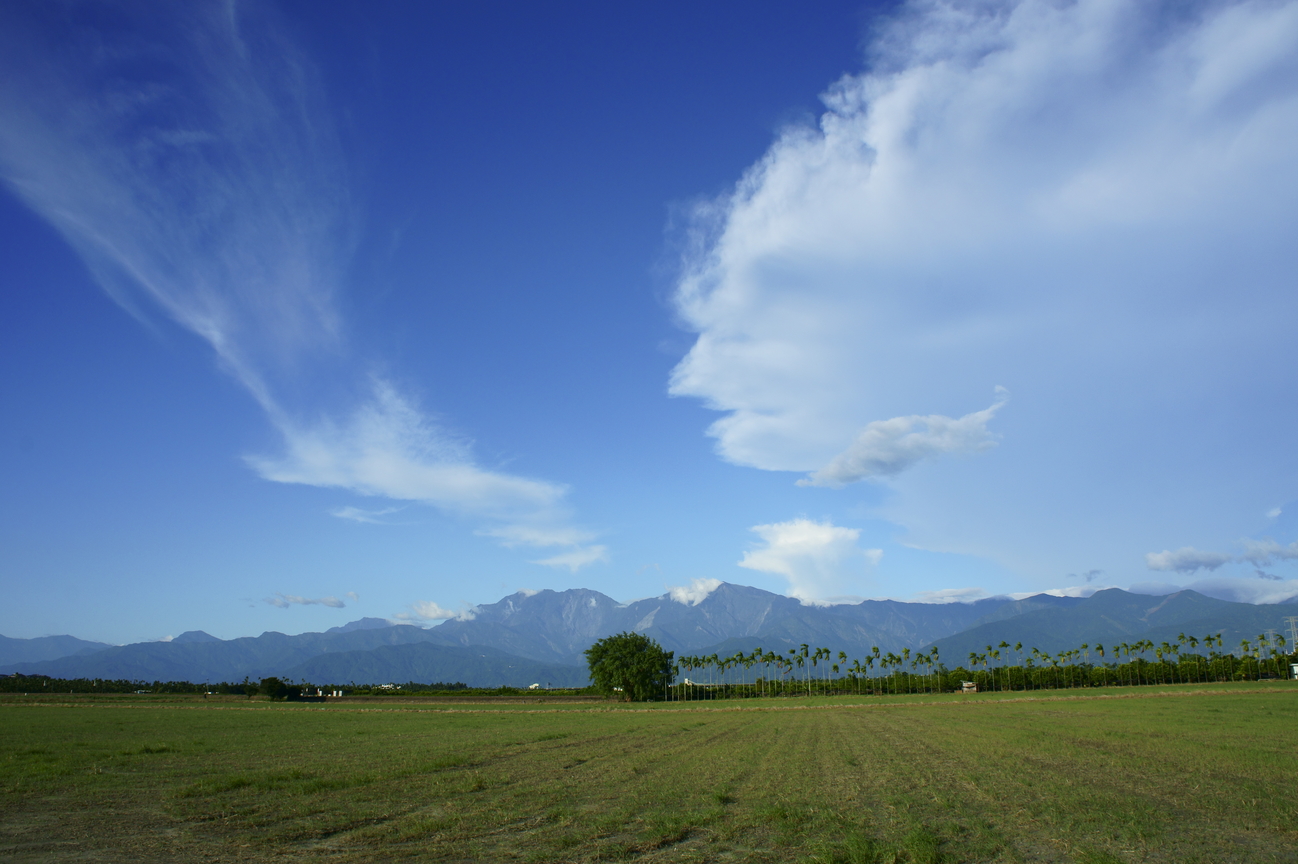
(1188, 774)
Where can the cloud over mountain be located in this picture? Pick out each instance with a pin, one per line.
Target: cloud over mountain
(1087, 202)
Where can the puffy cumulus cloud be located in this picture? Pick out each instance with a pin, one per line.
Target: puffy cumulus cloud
(817, 558)
(283, 601)
(1088, 202)
(888, 447)
(694, 593)
(196, 169)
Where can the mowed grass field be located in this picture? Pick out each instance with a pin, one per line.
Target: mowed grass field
(1178, 774)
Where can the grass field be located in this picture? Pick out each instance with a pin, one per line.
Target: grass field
(1177, 774)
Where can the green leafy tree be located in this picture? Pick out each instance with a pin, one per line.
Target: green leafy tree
(274, 688)
(630, 666)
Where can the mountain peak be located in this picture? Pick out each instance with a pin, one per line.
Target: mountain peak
(362, 624)
(195, 636)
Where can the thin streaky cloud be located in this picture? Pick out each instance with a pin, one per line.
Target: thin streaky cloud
(205, 180)
(284, 601)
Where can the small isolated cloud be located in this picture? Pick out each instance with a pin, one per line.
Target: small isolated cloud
(885, 448)
(370, 517)
(1187, 559)
(694, 593)
(1157, 589)
(283, 601)
(1087, 577)
(577, 558)
(1072, 591)
(353, 596)
(427, 610)
(1259, 553)
(1247, 590)
(817, 558)
(541, 534)
(1265, 552)
(1274, 513)
(950, 595)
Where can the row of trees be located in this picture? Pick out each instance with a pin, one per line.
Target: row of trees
(273, 687)
(819, 671)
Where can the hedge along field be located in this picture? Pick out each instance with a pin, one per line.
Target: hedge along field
(1185, 774)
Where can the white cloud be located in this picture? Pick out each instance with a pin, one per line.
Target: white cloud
(1259, 553)
(427, 610)
(817, 558)
(1274, 513)
(1073, 591)
(369, 517)
(1089, 202)
(1247, 590)
(577, 558)
(1187, 559)
(1265, 552)
(694, 593)
(949, 595)
(887, 447)
(199, 174)
(284, 601)
(388, 448)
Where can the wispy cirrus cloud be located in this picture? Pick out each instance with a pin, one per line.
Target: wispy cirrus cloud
(188, 154)
(284, 601)
(575, 559)
(368, 517)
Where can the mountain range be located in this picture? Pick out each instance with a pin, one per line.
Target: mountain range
(538, 637)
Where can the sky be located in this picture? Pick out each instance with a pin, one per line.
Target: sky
(316, 311)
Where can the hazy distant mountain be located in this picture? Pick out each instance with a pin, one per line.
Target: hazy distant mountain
(427, 662)
(255, 657)
(194, 636)
(557, 626)
(361, 624)
(539, 637)
(1114, 616)
(44, 648)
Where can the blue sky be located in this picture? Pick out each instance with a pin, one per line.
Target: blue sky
(313, 311)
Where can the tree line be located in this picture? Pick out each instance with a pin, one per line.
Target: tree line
(808, 671)
(273, 687)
